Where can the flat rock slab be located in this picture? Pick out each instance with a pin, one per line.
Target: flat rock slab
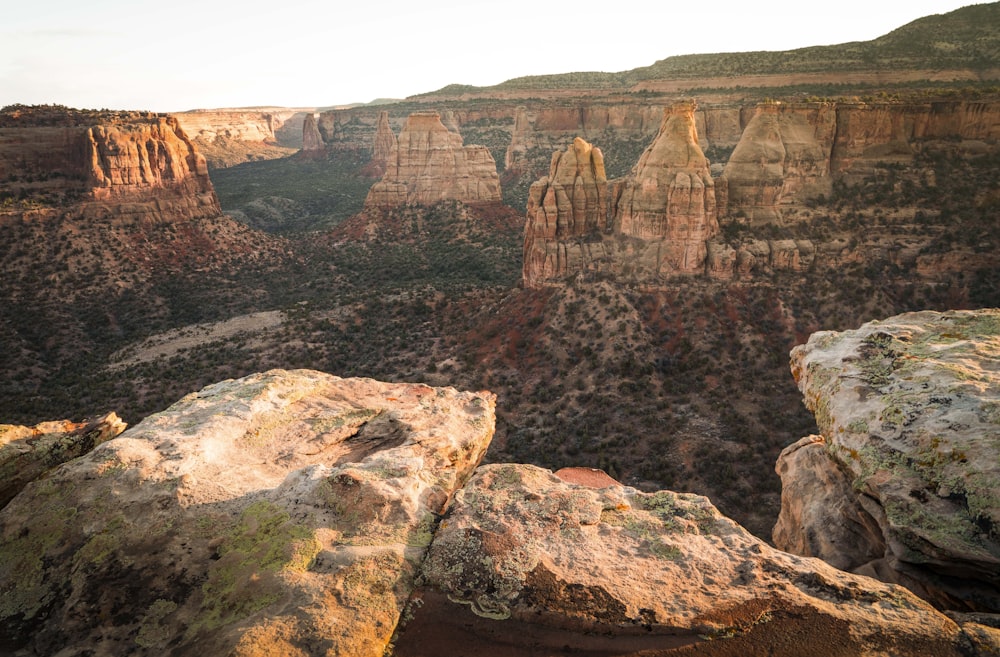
(909, 411)
(282, 513)
(525, 563)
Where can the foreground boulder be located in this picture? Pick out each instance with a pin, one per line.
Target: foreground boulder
(903, 483)
(282, 513)
(526, 563)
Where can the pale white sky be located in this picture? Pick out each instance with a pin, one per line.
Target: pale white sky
(173, 55)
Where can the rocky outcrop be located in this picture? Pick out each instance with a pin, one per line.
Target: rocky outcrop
(28, 452)
(283, 513)
(430, 164)
(298, 513)
(908, 411)
(568, 205)
(557, 566)
(54, 155)
(670, 196)
(655, 223)
(311, 139)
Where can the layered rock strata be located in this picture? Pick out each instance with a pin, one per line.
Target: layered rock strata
(529, 561)
(56, 155)
(282, 513)
(907, 461)
(670, 196)
(564, 208)
(652, 224)
(385, 141)
(783, 154)
(312, 140)
(429, 164)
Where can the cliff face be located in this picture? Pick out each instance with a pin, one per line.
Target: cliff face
(298, 513)
(903, 480)
(429, 164)
(312, 140)
(784, 153)
(53, 156)
(231, 136)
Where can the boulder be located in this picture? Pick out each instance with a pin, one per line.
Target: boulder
(282, 513)
(909, 410)
(526, 562)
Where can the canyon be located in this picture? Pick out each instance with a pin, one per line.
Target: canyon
(626, 269)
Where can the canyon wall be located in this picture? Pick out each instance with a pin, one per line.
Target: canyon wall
(53, 156)
(278, 125)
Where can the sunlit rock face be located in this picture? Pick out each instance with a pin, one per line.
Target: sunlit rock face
(284, 513)
(569, 204)
(577, 562)
(429, 164)
(670, 195)
(782, 156)
(902, 484)
(63, 155)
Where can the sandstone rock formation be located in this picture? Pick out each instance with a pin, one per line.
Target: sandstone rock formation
(57, 155)
(227, 137)
(430, 164)
(311, 139)
(283, 513)
(670, 196)
(27, 452)
(784, 153)
(556, 566)
(661, 216)
(570, 204)
(385, 141)
(908, 411)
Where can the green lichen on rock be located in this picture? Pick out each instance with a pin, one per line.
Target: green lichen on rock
(153, 632)
(263, 542)
(23, 556)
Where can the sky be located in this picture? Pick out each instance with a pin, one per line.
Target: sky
(175, 55)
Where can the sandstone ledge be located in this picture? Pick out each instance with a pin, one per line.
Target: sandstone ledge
(909, 413)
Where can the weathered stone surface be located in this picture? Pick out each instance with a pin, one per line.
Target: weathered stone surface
(670, 196)
(818, 494)
(569, 204)
(430, 164)
(282, 513)
(650, 571)
(908, 408)
(28, 452)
